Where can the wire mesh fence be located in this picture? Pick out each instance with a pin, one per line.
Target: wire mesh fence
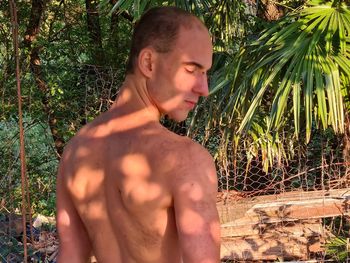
(297, 210)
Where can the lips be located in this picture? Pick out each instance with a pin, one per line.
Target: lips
(191, 104)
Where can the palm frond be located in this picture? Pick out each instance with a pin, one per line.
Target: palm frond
(296, 75)
(306, 52)
(137, 7)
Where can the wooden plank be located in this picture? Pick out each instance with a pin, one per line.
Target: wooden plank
(293, 195)
(287, 207)
(283, 226)
(306, 229)
(269, 248)
(291, 211)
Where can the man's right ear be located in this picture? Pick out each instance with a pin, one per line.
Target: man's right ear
(146, 61)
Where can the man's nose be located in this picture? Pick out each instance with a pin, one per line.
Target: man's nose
(202, 86)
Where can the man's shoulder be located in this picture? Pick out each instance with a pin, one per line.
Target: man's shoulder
(193, 167)
(195, 152)
(87, 136)
(83, 147)
(185, 148)
(188, 156)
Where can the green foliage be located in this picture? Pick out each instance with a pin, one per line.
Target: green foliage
(338, 248)
(302, 58)
(295, 75)
(41, 166)
(137, 7)
(11, 250)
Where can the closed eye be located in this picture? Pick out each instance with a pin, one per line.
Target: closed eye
(190, 69)
(192, 66)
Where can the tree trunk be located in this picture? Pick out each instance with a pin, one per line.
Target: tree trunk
(32, 31)
(113, 37)
(268, 10)
(346, 140)
(35, 64)
(33, 26)
(94, 29)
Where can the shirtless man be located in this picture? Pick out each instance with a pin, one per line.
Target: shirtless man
(129, 190)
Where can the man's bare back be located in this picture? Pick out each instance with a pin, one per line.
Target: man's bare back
(128, 189)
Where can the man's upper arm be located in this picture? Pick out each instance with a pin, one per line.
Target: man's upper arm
(196, 215)
(74, 240)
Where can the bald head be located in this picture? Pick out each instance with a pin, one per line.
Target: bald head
(159, 28)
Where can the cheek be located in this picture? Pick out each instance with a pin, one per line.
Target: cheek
(183, 81)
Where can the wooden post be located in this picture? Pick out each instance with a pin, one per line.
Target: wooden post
(13, 11)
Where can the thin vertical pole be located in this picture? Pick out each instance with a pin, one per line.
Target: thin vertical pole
(13, 10)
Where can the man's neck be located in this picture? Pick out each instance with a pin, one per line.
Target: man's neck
(133, 102)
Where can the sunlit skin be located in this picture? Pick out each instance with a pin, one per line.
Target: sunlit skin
(129, 190)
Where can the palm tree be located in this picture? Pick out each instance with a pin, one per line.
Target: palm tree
(295, 75)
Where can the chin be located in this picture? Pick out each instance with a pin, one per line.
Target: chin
(177, 117)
